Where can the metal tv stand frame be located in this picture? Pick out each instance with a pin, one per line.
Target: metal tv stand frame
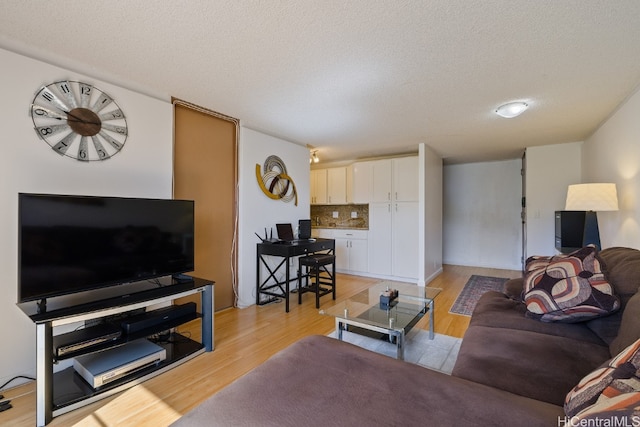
(63, 391)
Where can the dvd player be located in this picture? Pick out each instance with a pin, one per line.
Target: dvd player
(71, 342)
(157, 317)
(109, 365)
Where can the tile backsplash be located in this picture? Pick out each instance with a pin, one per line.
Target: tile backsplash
(323, 216)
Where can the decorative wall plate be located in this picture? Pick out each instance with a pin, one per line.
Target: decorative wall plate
(276, 183)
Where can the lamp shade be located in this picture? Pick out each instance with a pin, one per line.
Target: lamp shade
(592, 197)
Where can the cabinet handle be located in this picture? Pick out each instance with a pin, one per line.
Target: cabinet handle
(389, 196)
(389, 208)
(396, 195)
(396, 207)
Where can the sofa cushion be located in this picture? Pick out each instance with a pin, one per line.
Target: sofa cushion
(622, 271)
(606, 327)
(604, 386)
(320, 381)
(496, 310)
(531, 364)
(513, 288)
(630, 326)
(568, 288)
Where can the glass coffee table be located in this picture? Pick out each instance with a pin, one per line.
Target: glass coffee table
(364, 313)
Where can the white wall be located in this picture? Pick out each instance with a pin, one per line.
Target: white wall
(481, 209)
(257, 211)
(612, 154)
(550, 170)
(27, 164)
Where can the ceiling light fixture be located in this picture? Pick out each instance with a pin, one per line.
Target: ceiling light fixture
(314, 157)
(512, 109)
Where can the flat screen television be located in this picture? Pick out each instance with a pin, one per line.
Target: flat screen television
(69, 244)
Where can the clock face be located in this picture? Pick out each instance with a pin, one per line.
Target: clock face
(78, 120)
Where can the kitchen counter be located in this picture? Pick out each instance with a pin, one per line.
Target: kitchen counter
(337, 227)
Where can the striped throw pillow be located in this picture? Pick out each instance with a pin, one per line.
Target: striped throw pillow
(568, 288)
(613, 390)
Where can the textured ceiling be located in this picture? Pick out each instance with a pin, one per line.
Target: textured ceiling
(359, 78)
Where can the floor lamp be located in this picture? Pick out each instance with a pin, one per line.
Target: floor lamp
(592, 198)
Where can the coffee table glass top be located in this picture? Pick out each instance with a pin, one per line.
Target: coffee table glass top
(365, 306)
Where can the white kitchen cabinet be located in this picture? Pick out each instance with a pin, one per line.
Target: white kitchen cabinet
(351, 250)
(381, 181)
(405, 241)
(380, 229)
(405, 179)
(361, 182)
(393, 239)
(318, 183)
(394, 217)
(329, 186)
(337, 186)
(395, 180)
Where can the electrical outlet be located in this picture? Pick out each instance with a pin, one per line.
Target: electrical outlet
(335, 214)
(354, 214)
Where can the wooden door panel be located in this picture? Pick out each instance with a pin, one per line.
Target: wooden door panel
(205, 171)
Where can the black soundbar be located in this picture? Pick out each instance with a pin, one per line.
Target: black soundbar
(157, 317)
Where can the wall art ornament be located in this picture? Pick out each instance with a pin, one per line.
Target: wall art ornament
(275, 183)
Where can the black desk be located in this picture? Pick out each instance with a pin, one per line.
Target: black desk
(271, 285)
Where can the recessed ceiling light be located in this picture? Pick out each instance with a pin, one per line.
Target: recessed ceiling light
(512, 109)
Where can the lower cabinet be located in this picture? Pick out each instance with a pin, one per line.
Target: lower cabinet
(380, 238)
(405, 242)
(388, 249)
(393, 239)
(352, 254)
(351, 251)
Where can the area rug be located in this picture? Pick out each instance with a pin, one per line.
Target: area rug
(473, 290)
(439, 354)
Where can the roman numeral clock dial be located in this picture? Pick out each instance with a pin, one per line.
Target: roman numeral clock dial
(78, 120)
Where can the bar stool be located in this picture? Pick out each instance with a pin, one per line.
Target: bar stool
(317, 267)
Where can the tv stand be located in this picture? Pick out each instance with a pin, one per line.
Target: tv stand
(65, 390)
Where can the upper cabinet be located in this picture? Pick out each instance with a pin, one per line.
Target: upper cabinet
(318, 186)
(337, 186)
(388, 180)
(374, 181)
(381, 188)
(329, 186)
(361, 182)
(405, 179)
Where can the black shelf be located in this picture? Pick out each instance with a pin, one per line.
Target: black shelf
(124, 295)
(130, 337)
(70, 388)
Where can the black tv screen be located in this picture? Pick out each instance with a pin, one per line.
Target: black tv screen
(69, 244)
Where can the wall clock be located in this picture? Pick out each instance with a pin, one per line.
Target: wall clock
(79, 120)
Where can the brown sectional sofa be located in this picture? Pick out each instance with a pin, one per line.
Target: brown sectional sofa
(510, 370)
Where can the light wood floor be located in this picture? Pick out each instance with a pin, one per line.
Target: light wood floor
(243, 340)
